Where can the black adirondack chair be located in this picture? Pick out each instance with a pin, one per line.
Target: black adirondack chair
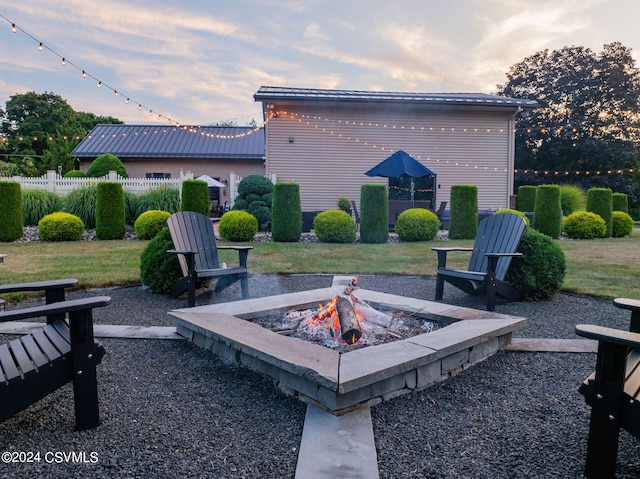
(62, 351)
(195, 244)
(495, 244)
(612, 391)
(440, 211)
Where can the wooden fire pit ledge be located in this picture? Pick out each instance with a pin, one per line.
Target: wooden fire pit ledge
(341, 382)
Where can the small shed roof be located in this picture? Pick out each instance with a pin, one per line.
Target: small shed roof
(170, 141)
(273, 93)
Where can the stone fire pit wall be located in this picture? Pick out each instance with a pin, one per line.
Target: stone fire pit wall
(340, 382)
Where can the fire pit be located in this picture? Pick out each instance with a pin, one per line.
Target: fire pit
(347, 323)
(337, 381)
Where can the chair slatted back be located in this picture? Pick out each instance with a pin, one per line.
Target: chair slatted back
(191, 231)
(496, 234)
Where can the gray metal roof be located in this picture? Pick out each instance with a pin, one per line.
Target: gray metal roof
(170, 141)
(273, 93)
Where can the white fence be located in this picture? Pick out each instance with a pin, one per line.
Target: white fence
(54, 182)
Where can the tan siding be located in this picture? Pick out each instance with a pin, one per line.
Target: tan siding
(329, 154)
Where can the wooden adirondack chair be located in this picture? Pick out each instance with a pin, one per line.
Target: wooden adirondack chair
(62, 351)
(613, 390)
(496, 242)
(195, 244)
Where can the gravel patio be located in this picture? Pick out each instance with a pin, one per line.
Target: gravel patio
(170, 409)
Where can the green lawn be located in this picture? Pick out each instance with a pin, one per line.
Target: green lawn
(607, 268)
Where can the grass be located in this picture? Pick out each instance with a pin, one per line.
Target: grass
(605, 268)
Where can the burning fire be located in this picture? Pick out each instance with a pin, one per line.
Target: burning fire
(343, 315)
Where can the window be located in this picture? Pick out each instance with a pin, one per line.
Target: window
(158, 175)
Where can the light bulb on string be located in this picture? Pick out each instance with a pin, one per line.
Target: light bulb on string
(99, 84)
(63, 62)
(115, 93)
(84, 74)
(40, 46)
(13, 28)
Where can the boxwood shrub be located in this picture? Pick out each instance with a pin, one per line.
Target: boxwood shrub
(621, 224)
(286, 213)
(620, 202)
(110, 211)
(149, 223)
(238, 225)
(600, 202)
(159, 270)
(195, 197)
(417, 224)
(374, 213)
(105, 163)
(584, 225)
(517, 212)
(463, 219)
(11, 225)
(547, 213)
(526, 199)
(60, 226)
(539, 273)
(334, 226)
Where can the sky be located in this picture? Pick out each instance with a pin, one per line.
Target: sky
(199, 62)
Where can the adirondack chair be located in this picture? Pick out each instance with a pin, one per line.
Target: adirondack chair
(440, 211)
(195, 244)
(613, 390)
(62, 351)
(495, 244)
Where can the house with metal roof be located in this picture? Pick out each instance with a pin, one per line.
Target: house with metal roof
(163, 151)
(325, 140)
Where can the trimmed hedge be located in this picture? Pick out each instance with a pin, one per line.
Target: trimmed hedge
(110, 211)
(195, 197)
(11, 224)
(516, 212)
(547, 213)
(159, 270)
(463, 212)
(584, 225)
(334, 226)
(417, 224)
(149, 223)
(286, 213)
(103, 164)
(238, 226)
(622, 224)
(620, 202)
(600, 202)
(60, 226)
(374, 213)
(526, 199)
(539, 273)
(255, 195)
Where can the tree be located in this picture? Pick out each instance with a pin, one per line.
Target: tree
(588, 117)
(39, 131)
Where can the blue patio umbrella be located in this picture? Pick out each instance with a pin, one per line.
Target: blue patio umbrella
(399, 164)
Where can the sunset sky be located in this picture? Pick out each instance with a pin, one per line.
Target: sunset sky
(200, 61)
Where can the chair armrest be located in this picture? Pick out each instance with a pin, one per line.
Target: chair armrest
(38, 285)
(626, 303)
(609, 335)
(186, 252)
(500, 255)
(243, 253)
(451, 248)
(238, 248)
(60, 307)
(442, 254)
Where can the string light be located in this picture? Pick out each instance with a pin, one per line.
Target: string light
(64, 62)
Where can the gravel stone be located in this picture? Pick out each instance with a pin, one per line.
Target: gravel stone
(170, 409)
